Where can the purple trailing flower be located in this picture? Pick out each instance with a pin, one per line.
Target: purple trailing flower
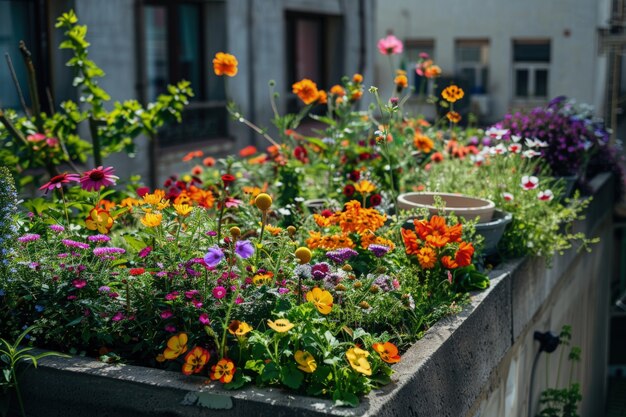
(378, 250)
(28, 237)
(244, 249)
(213, 256)
(74, 244)
(341, 255)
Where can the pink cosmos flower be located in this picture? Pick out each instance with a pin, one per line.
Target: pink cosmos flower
(219, 292)
(507, 196)
(390, 45)
(97, 178)
(546, 195)
(232, 202)
(529, 182)
(58, 181)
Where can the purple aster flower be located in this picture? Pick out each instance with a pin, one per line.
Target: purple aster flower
(341, 255)
(211, 233)
(98, 238)
(244, 249)
(56, 228)
(213, 256)
(74, 244)
(378, 250)
(108, 251)
(28, 237)
(104, 288)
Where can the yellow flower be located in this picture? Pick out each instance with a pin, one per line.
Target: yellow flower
(183, 209)
(280, 325)
(263, 279)
(322, 299)
(357, 358)
(99, 220)
(306, 361)
(152, 219)
(239, 328)
(452, 93)
(303, 254)
(453, 116)
(263, 201)
(224, 370)
(364, 187)
(273, 229)
(225, 64)
(401, 81)
(176, 346)
(154, 198)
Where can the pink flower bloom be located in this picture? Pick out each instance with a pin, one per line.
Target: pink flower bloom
(71, 297)
(97, 178)
(196, 303)
(232, 202)
(79, 283)
(546, 195)
(118, 316)
(204, 319)
(56, 228)
(58, 181)
(28, 237)
(166, 314)
(171, 329)
(424, 55)
(52, 142)
(145, 251)
(37, 137)
(74, 244)
(172, 296)
(507, 196)
(390, 45)
(190, 294)
(219, 292)
(238, 300)
(529, 182)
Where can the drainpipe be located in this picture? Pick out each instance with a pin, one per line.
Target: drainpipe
(548, 343)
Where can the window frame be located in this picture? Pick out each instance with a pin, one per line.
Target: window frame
(476, 66)
(532, 67)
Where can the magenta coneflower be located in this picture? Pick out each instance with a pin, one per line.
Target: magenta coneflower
(96, 178)
(58, 181)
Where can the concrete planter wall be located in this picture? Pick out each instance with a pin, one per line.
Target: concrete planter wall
(474, 364)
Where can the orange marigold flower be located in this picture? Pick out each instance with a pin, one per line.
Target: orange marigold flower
(274, 230)
(448, 262)
(356, 95)
(369, 238)
(432, 71)
(464, 254)
(436, 157)
(423, 143)
(195, 360)
(129, 202)
(357, 78)
(401, 81)
(337, 90)
(323, 221)
(247, 151)
(411, 245)
(454, 232)
(225, 64)
(427, 257)
(306, 90)
(263, 279)
(452, 93)
(209, 161)
(322, 97)
(388, 352)
(176, 346)
(453, 116)
(224, 370)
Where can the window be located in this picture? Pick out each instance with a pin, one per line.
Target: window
(177, 46)
(23, 20)
(531, 65)
(314, 51)
(412, 50)
(472, 64)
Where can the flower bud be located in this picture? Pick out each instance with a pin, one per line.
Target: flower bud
(263, 201)
(235, 232)
(303, 254)
(291, 230)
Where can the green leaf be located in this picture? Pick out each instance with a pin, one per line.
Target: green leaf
(75, 321)
(239, 380)
(135, 243)
(291, 376)
(270, 372)
(343, 399)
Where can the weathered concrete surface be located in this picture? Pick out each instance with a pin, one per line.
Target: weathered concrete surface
(474, 364)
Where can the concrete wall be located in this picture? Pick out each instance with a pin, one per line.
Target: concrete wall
(576, 69)
(474, 364)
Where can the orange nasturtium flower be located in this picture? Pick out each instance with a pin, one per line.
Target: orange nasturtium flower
(306, 90)
(195, 360)
(452, 93)
(225, 64)
(152, 219)
(99, 220)
(388, 352)
(306, 361)
(357, 358)
(453, 116)
(224, 370)
(239, 328)
(280, 325)
(322, 299)
(176, 346)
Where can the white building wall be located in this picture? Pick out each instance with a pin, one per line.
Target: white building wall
(571, 25)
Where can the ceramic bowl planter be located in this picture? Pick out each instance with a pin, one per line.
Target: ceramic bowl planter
(462, 205)
(493, 230)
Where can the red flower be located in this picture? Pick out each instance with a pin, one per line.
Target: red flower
(301, 154)
(463, 256)
(355, 175)
(136, 271)
(375, 200)
(141, 191)
(448, 262)
(58, 181)
(348, 190)
(228, 179)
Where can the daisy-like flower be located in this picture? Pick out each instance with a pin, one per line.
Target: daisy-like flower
(453, 116)
(306, 90)
(530, 153)
(223, 371)
(452, 93)
(106, 251)
(499, 149)
(390, 45)
(219, 292)
(56, 228)
(530, 182)
(280, 325)
(58, 181)
(495, 133)
(98, 238)
(97, 178)
(152, 219)
(364, 187)
(515, 148)
(306, 361)
(546, 195)
(74, 244)
(28, 237)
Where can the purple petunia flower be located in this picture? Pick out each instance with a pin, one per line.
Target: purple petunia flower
(213, 256)
(378, 250)
(244, 249)
(341, 255)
